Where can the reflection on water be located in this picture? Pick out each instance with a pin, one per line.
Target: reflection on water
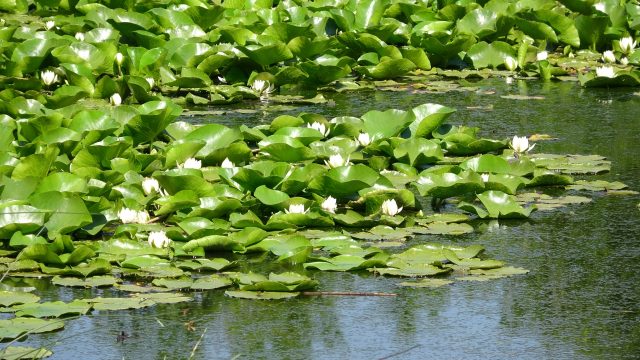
(580, 300)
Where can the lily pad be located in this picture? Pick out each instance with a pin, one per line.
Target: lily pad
(261, 295)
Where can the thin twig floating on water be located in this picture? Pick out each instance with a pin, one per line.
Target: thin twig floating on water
(198, 343)
(400, 353)
(345, 293)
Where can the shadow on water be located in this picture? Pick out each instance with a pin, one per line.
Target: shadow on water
(581, 299)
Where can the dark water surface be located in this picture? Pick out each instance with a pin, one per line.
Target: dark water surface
(581, 299)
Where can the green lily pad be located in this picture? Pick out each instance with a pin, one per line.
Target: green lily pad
(9, 298)
(20, 352)
(261, 295)
(173, 283)
(428, 283)
(95, 281)
(100, 303)
(211, 282)
(471, 263)
(50, 309)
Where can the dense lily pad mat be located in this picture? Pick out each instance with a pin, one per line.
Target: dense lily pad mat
(91, 146)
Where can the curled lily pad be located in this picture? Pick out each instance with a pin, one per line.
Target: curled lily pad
(498, 205)
(471, 263)
(345, 263)
(448, 184)
(211, 283)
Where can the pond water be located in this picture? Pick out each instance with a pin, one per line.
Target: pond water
(581, 299)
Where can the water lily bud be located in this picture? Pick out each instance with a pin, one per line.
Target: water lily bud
(608, 57)
(605, 71)
(485, 177)
(119, 58)
(296, 209)
(48, 77)
(2, 22)
(571, 56)
(390, 207)
(320, 127)
(159, 239)
(49, 25)
(510, 63)
(627, 44)
(521, 144)
(420, 214)
(624, 61)
(80, 36)
(142, 217)
(192, 163)
(364, 139)
(227, 164)
(336, 161)
(151, 82)
(329, 205)
(115, 99)
(542, 56)
(150, 185)
(128, 216)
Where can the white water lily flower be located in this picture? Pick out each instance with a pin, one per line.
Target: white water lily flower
(510, 63)
(48, 77)
(128, 216)
(296, 209)
(151, 82)
(627, 44)
(119, 58)
(227, 164)
(149, 185)
(329, 205)
(485, 177)
(600, 6)
(608, 57)
(263, 87)
(542, 56)
(624, 61)
(605, 71)
(364, 139)
(390, 207)
(115, 99)
(521, 144)
(49, 25)
(320, 127)
(159, 239)
(80, 36)
(336, 161)
(191, 163)
(222, 80)
(142, 217)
